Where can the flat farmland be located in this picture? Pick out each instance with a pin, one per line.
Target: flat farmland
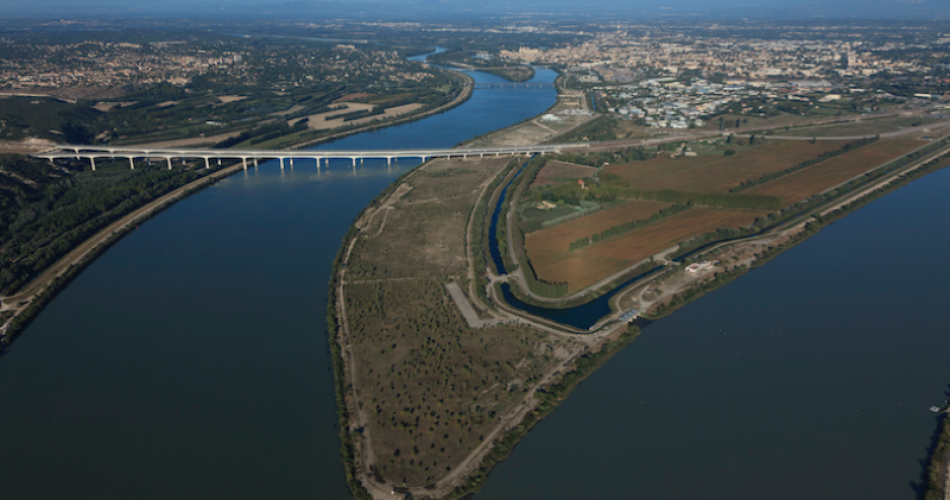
(797, 186)
(559, 237)
(715, 173)
(866, 128)
(585, 267)
(556, 172)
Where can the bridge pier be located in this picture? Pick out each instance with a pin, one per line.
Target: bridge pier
(207, 164)
(92, 161)
(169, 158)
(244, 159)
(131, 163)
(389, 160)
(291, 163)
(281, 162)
(354, 161)
(219, 161)
(255, 162)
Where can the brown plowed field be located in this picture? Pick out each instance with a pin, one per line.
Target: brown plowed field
(556, 172)
(585, 267)
(352, 97)
(559, 237)
(716, 173)
(795, 187)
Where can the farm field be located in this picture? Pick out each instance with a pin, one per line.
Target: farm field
(587, 266)
(754, 122)
(559, 237)
(716, 173)
(556, 172)
(865, 128)
(797, 186)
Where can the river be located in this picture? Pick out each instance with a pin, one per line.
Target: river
(190, 361)
(809, 377)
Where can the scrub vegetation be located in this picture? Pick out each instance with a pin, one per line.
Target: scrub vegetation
(432, 388)
(421, 390)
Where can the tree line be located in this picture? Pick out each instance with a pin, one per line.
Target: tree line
(847, 148)
(62, 206)
(627, 227)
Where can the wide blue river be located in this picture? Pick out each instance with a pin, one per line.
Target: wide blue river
(191, 361)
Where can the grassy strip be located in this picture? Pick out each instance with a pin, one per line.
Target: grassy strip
(847, 148)
(479, 243)
(642, 269)
(537, 286)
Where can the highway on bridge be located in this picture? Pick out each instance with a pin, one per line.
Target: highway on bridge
(168, 154)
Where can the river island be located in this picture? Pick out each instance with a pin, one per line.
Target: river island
(474, 294)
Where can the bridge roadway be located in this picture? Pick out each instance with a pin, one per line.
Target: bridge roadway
(168, 154)
(484, 85)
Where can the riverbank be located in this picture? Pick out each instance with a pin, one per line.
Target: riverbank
(24, 305)
(30, 299)
(938, 469)
(367, 268)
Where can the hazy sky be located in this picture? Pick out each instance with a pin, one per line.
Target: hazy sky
(800, 9)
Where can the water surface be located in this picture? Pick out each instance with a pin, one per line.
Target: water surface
(190, 361)
(809, 377)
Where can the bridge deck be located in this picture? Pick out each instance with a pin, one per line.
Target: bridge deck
(132, 152)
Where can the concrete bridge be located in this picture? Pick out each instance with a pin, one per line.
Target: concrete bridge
(131, 153)
(487, 85)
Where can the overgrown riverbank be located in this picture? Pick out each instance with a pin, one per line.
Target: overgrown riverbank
(122, 223)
